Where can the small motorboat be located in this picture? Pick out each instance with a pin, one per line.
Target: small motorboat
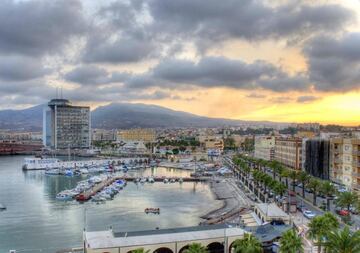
(52, 172)
(143, 180)
(166, 181)
(98, 199)
(151, 180)
(181, 180)
(152, 210)
(172, 180)
(63, 196)
(2, 207)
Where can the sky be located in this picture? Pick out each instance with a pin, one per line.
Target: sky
(279, 60)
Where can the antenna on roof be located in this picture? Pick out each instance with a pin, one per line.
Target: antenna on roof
(61, 92)
(57, 92)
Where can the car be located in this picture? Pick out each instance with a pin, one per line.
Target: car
(343, 212)
(353, 210)
(309, 214)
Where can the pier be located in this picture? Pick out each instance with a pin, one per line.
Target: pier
(86, 195)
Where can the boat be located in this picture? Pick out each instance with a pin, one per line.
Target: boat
(63, 196)
(52, 172)
(151, 180)
(166, 181)
(152, 210)
(98, 199)
(2, 207)
(143, 180)
(172, 180)
(69, 173)
(84, 171)
(181, 180)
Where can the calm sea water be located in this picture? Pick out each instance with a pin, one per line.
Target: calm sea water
(35, 222)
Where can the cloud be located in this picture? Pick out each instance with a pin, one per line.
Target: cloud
(250, 20)
(306, 99)
(281, 100)
(122, 50)
(39, 27)
(20, 68)
(334, 63)
(255, 95)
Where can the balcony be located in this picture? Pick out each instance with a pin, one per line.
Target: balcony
(356, 163)
(356, 152)
(337, 160)
(356, 186)
(356, 174)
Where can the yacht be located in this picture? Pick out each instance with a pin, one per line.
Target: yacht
(52, 172)
(2, 207)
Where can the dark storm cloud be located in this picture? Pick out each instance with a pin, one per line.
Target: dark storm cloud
(38, 27)
(94, 75)
(249, 19)
(334, 63)
(122, 50)
(306, 99)
(217, 72)
(17, 68)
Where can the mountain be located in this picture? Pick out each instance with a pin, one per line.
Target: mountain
(126, 115)
(118, 115)
(29, 119)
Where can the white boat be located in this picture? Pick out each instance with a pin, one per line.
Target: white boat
(63, 196)
(98, 199)
(166, 181)
(143, 180)
(84, 171)
(2, 207)
(181, 180)
(52, 172)
(151, 180)
(172, 180)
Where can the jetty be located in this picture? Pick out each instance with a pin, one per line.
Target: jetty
(86, 195)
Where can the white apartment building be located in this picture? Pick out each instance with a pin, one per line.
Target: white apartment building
(264, 147)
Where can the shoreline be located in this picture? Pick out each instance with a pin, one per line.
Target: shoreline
(232, 202)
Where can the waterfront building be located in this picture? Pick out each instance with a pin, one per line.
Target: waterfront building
(345, 162)
(66, 125)
(215, 238)
(103, 135)
(271, 213)
(133, 147)
(288, 152)
(138, 134)
(264, 147)
(316, 157)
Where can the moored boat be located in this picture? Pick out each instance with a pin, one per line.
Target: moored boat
(152, 210)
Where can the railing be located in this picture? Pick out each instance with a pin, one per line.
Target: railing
(356, 186)
(355, 174)
(356, 152)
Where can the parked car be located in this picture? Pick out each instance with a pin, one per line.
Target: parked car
(309, 214)
(343, 212)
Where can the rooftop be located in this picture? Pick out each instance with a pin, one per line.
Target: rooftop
(107, 239)
(272, 210)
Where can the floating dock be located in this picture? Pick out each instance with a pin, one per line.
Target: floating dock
(86, 195)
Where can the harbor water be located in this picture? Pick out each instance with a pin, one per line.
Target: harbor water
(35, 222)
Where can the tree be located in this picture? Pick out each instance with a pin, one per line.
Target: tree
(347, 199)
(328, 190)
(290, 242)
(286, 173)
(314, 185)
(304, 178)
(343, 241)
(249, 244)
(293, 175)
(196, 248)
(140, 250)
(229, 143)
(279, 189)
(320, 226)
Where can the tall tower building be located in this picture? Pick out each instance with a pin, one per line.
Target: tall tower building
(65, 125)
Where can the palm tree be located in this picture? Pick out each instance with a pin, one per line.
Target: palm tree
(293, 176)
(196, 248)
(314, 185)
(304, 178)
(328, 190)
(249, 244)
(347, 199)
(320, 226)
(140, 250)
(279, 189)
(343, 241)
(286, 173)
(290, 242)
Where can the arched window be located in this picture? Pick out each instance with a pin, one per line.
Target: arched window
(215, 247)
(163, 250)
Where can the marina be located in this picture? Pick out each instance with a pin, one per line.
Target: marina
(35, 217)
